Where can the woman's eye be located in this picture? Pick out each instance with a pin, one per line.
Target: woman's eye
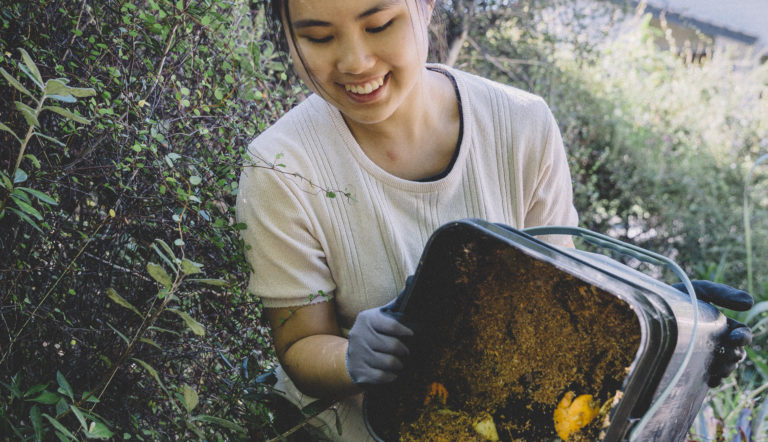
(380, 28)
(319, 39)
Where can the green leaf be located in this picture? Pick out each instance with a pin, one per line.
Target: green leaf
(34, 160)
(122, 336)
(28, 113)
(8, 129)
(79, 415)
(35, 389)
(67, 114)
(54, 140)
(56, 87)
(46, 397)
(152, 372)
(150, 342)
(64, 386)
(190, 267)
(27, 208)
(82, 92)
(166, 247)
(32, 67)
(196, 327)
(20, 176)
(26, 218)
(759, 362)
(219, 421)
(15, 83)
(6, 182)
(190, 397)
(37, 422)
(59, 427)
(119, 300)
(316, 407)
(63, 98)
(97, 430)
(42, 196)
(213, 282)
(195, 180)
(158, 273)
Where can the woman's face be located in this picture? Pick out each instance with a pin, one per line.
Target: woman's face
(366, 57)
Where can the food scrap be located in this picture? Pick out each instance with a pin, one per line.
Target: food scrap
(436, 389)
(572, 414)
(485, 427)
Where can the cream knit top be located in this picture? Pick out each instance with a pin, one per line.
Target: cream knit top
(307, 247)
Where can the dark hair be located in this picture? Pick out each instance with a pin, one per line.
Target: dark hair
(274, 10)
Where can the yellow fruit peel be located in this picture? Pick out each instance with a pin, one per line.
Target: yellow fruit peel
(574, 413)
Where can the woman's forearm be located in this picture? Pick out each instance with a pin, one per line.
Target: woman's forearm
(317, 366)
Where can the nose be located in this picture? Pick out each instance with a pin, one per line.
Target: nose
(355, 57)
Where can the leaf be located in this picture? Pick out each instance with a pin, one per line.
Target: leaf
(196, 327)
(119, 300)
(79, 415)
(190, 397)
(190, 267)
(150, 342)
(46, 397)
(8, 129)
(35, 389)
(20, 176)
(54, 140)
(15, 83)
(63, 98)
(37, 422)
(27, 208)
(195, 180)
(158, 273)
(6, 182)
(152, 372)
(219, 421)
(97, 430)
(67, 114)
(759, 362)
(82, 92)
(756, 310)
(34, 160)
(26, 218)
(59, 426)
(28, 113)
(42, 196)
(124, 338)
(56, 87)
(64, 386)
(32, 67)
(213, 282)
(316, 407)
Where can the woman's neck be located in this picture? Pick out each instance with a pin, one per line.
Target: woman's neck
(419, 139)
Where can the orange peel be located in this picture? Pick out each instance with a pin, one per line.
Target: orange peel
(574, 413)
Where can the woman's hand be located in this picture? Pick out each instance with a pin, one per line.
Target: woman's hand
(376, 351)
(730, 350)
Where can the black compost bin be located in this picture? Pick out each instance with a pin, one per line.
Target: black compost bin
(507, 324)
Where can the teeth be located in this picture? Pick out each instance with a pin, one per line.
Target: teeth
(366, 88)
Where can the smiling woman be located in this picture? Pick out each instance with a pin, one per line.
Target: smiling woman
(416, 145)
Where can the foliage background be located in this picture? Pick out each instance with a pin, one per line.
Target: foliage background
(139, 214)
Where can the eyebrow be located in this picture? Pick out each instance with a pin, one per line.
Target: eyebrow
(308, 23)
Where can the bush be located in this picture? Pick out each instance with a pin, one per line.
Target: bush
(122, 285)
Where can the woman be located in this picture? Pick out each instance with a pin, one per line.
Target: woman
(414, 145)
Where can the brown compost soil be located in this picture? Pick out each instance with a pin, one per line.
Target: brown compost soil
(508, 335)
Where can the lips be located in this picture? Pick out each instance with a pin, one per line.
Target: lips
(365, 88)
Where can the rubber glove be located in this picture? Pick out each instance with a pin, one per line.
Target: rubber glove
(730, 351)
(376, 351)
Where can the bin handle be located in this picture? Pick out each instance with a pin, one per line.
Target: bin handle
(645, 256)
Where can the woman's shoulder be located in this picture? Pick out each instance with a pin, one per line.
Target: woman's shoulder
(484, 92)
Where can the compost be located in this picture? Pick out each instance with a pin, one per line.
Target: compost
(506, 336)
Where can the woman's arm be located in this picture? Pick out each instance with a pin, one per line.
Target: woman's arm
(311, 350)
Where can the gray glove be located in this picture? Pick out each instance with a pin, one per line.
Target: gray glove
(376, 351)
